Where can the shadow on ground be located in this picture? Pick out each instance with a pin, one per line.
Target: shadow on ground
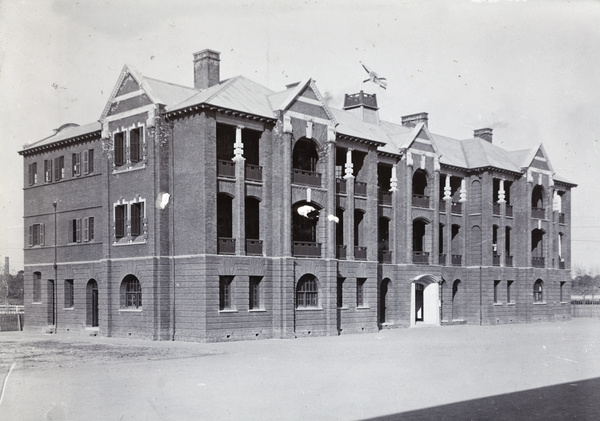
(568, 401)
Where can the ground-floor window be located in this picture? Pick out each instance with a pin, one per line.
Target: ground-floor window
(225, 292)
(360, 292)
(307, 292)
(496, 293)
(509, 298)
(131, 292)
(69, 289)
(254, 293)
(538, 291)
(37, 287)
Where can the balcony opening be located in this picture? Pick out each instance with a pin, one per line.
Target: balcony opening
(251, 141)
(385, 255)
(305, 219)
(305, 160)
(360, 251)
(441, 248)
(537, 202)
(507, 252)
(339, 234)
(225, 244)
(384, 177)
(537, 248)
(495, 254)
(420, 190)
(420, 241)
(340, 163)
(561, 259)
(456, 245)
(252, 224)
(225, 141)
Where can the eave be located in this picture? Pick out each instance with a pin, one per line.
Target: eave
(60, 143)
(226, 111)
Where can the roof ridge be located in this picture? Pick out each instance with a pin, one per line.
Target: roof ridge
(169, 83)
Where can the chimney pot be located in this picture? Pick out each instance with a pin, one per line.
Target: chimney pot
(206, 69)
(485, 134)
(412, 120)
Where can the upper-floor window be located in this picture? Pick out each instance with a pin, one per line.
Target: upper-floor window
(88, 161)
(75, 230)
(59, 168)
(129, 220)
(128, 146)
(76, 164)
(47, 170)
(36, 235)
(33, 177)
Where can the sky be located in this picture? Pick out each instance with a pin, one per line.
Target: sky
(528, 69)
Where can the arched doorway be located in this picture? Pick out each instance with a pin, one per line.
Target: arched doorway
(383, 300)
(91, 312)
(425, 301)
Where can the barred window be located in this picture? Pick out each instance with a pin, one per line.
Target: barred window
(133, 292)
(538, 291)
(307, 292)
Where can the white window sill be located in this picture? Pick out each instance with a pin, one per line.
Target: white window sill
(539, 303)
(129, 167)
(228, 310)
(130, 310)
(498, 304)
(257, 310)
(129, 242)
(510, 304)
(343, 308)
(564, 302)
(37, 302)
(363, 307)
(309, 308)
(69, 308)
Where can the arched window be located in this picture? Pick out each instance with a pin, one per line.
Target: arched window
(538, 291)
(537, 197)
(305, 156)
(419, 184)
(131, 292)
(307, 292)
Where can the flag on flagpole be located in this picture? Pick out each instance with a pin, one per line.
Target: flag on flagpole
(374, 77)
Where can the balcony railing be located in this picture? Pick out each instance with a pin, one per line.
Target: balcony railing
(457, 260)
(254, 247)
(306, 249)
(340, 186)
(385, 256)
(443, 259)
(561, 264)
(253, 172)
(360, 188)
(225, 168)
(360, 253)
(306, 178)
(457, 207)
(442, 206)
(385, 197)
(561, 218)
(496, 208)
(538, 262)
(496, 260)
(509, 210)
(341, 252)
(509, 261)
(226, 245)
(421, 257)
(539, 213)
(420, 201)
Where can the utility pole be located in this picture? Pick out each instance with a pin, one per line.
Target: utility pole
(55, 286)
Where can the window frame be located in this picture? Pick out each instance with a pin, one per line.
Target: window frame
(76, 164)
(32, 168)
(497, 292)
(128, 148)
(538, 291)
(226, 293)
(307, 293)
(254, 293)
(37, 287)
(69, 294)
(48, 171)
(59, 168)
(360, 292)
(133, 294)
(120, 219)
(74, 231)
(37, 233)
(509, 298)
(88, 229)
(136, 219)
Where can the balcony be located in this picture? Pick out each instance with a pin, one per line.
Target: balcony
(509, 261)
(538, 262)
(443, 206)
(225, 168)
(385, 197)
(306, 178)
(457, 208)
(539, 213)
(306, 249)
(421, 257)
(496, 260)
(561, 264)
(496, 208)
(340, 186)
(225, 245)
(442, 259)
(360, 253)
(420, 201)
(360, 188)
(253, 172)
(385, 256)
(561, 218)
(509, 210)
(341, 252)
(457, 260)
(254, 247)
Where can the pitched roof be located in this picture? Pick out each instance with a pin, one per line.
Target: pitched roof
(71, 131)
(169, 93)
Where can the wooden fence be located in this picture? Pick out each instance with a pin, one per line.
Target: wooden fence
(585, 308)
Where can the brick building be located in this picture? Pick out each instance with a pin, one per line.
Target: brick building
(230, 211)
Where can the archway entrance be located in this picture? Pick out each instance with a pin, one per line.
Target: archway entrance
(425, 301)
(91, 318)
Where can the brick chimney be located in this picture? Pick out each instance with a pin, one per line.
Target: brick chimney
(363, 105)
(413, 119)
(206, 69)
(485, 134)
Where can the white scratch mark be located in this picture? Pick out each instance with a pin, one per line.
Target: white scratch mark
(5, 382)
